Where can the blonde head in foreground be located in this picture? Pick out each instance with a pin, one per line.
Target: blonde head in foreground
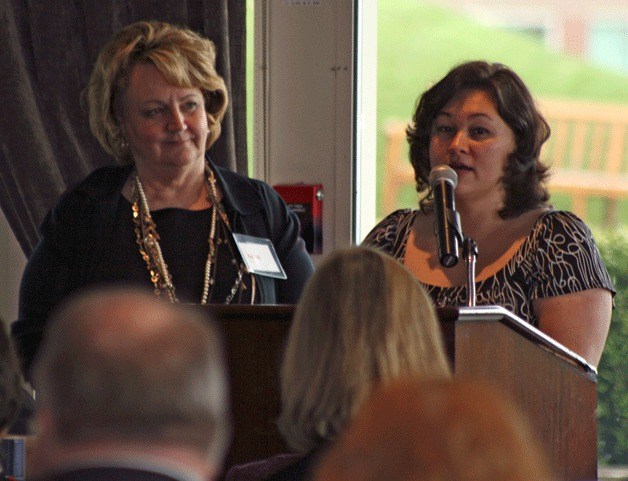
(362, 319)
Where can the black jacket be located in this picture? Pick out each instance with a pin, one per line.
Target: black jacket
(77, 231)
(113, 474)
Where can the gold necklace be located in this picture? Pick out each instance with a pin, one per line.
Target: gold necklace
(148, 240)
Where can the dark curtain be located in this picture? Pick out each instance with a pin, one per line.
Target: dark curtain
(47, 50)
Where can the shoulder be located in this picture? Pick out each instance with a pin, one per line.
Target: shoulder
(566, 255)
(298, 470)
(103, 473)
(396, 219)
(261, 469)
(102, 183)
(560, 216)
(233, 180)
(561, 226)
(77, 204)
(386, 230)
(244, 192)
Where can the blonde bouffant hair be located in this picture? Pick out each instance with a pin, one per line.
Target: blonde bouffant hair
(184, 58)
(362, 320)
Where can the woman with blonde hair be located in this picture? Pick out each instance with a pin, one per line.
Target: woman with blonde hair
(362, 321)
(165, 216)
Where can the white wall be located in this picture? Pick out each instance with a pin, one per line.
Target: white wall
(305, 104)
(12, 261)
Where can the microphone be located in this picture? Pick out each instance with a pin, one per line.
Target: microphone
(443, 180)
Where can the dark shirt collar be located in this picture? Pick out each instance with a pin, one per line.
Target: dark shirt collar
(235, 189)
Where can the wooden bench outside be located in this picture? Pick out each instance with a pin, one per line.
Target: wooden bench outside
(587, 152)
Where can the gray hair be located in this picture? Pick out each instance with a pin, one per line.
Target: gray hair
(120, 363)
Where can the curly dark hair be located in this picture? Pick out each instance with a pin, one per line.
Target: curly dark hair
(525, 175)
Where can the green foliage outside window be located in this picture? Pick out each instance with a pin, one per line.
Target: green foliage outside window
(612, 393)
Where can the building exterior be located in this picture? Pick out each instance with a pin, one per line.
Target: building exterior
(593, 29)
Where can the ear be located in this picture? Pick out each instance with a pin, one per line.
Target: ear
(43, 445)
(45, 426)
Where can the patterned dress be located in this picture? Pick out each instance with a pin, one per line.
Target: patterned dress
(559, 256)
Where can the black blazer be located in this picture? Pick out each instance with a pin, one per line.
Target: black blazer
(301, 470)
(110, 474)
(78, 230)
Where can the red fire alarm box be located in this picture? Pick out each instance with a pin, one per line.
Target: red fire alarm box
(306, 201)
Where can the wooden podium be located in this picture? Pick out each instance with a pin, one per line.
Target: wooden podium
(554, 386)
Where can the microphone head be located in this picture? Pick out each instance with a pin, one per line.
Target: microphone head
(442, 173)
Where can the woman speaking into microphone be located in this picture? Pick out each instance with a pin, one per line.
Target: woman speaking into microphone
(539, 263)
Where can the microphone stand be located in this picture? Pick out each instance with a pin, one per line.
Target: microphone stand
(470, 252)
(447, 227)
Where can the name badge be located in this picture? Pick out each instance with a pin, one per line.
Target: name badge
(259, 256)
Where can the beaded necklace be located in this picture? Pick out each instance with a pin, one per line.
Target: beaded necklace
(148, 240)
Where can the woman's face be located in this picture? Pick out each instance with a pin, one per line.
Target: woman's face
(164, 125)
(469, 135)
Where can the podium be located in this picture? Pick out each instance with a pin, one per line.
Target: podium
(554, 386)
